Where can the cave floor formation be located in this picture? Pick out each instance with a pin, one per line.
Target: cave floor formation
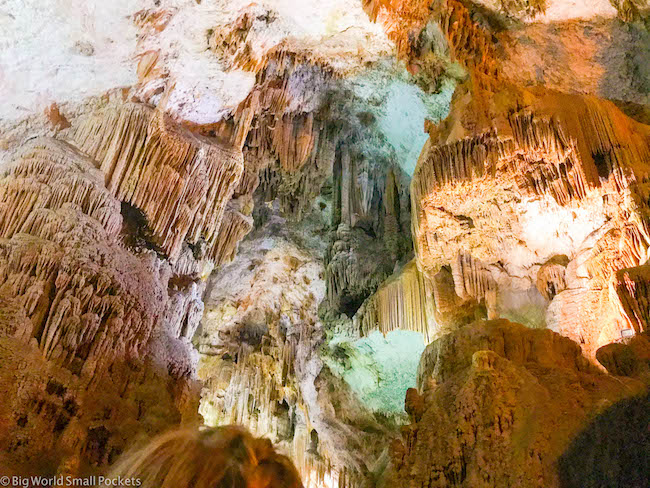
(407, 241)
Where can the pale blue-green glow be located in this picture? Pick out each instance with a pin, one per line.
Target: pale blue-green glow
(379, 369)
(400, 108)
(406, 108)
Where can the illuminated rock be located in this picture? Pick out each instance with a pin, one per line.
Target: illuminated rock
(91, 328)
(180, 181)
(498, 404)
(403, 302)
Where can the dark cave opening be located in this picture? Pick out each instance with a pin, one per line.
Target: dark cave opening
(136, 233)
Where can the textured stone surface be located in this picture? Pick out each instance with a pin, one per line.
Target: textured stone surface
(94, 351)
(498, 404)
(260, 364)
(175, 128)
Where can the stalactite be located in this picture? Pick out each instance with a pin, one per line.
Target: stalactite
(295, 190)
(403, 302)
(403, 20)
(180, 181)
(633, 291)
(83, 315)
(234, 227)
(537, 154)
(472, 280)
(290, 138)
(551, 277)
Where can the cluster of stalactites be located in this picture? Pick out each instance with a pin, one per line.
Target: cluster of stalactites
(632, 288)
(85, 297)
(400, 19)
(565, 149)
(259, 391)
(181, 182)
(404, 302)
(561, 156)
(538, 158)
(42, 180)
(469, 43)
(291, 139)
(296, 182)
(234, 227)
(551, 277)
(472, 281)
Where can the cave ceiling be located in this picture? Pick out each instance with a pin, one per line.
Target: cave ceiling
(407, 241)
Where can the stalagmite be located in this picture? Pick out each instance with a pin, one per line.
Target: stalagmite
(494, 398)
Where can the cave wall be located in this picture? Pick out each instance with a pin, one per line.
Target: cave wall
(526, 204)
(121, 223)
(107, 240)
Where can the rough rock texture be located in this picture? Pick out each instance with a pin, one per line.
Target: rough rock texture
(189, 124)
(498, 404)
(260, 339)
(515, 177)
(94, 333)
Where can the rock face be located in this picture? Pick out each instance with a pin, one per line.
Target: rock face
(515, 179)
(498, 405)
(260, 364)
(88, 325)
(518, 214)
(411, 168)
(96, 324)
(527, 204)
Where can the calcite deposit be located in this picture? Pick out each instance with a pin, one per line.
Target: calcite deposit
(497, 406)
(89, 324)
(263, 213)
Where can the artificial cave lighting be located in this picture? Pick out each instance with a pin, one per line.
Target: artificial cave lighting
(325, 243)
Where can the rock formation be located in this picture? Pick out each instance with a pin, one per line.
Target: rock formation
(180, 182)
(107, 241)
(499, 403)
(95, 333)
(260, 213)
(259, 341)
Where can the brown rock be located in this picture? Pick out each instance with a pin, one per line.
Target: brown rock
(56, 118)
(506, 403)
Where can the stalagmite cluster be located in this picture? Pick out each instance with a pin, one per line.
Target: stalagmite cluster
(522, 394)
